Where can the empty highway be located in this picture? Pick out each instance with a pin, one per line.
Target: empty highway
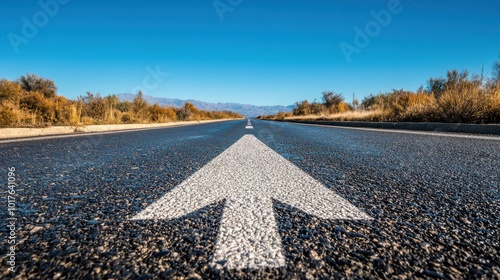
(256, 199)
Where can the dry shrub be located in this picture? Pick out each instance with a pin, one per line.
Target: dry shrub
(463, 104)
(343, 107)
(74, 118)
(36, 103)
(28, 119)
(282, 116)
(493, 104)
(162, 114)
(33, 101)
(368, 115)
(419, 98)
(421, 108)
(126, 118)
(8, 117)
(87, 120)
(9, 91)
(117, 117)
(420, 113)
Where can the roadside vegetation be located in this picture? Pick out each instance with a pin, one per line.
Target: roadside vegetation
(32, 101)
(457, 98)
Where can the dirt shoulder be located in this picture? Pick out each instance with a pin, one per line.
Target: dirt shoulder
(12, 133)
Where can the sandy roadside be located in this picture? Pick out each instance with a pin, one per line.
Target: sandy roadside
(12, 133)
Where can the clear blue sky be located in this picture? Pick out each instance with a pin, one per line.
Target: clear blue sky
(261, 52)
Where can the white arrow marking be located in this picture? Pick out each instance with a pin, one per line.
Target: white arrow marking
(248, 175)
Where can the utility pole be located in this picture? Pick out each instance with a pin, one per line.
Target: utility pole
(354, 105)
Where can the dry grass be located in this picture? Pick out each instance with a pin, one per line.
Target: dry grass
(464, 104)
(456, 99)
(493, 104)
(368, 115)
(13, 116)
(420, 108)
(23, 107)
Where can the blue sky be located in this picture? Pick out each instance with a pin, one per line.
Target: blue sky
(259, 52)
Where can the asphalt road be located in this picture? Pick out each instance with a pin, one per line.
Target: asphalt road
(106, 206)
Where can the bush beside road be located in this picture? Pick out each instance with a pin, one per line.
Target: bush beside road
(32, 101)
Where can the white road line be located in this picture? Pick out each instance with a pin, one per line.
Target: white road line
(248, 175)
(430, 133)
(249, 125)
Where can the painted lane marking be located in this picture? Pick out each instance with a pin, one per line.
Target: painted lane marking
(248, 175)
(249, 125)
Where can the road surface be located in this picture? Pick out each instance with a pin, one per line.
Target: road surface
(251, 200)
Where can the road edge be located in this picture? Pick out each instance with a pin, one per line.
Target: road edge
(491, 129)
(21, 133)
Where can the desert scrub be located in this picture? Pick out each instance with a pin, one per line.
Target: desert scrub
(32, 101)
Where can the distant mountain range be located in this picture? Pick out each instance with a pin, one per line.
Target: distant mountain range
(244, 109)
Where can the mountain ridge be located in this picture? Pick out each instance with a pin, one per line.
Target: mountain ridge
(247, 110)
